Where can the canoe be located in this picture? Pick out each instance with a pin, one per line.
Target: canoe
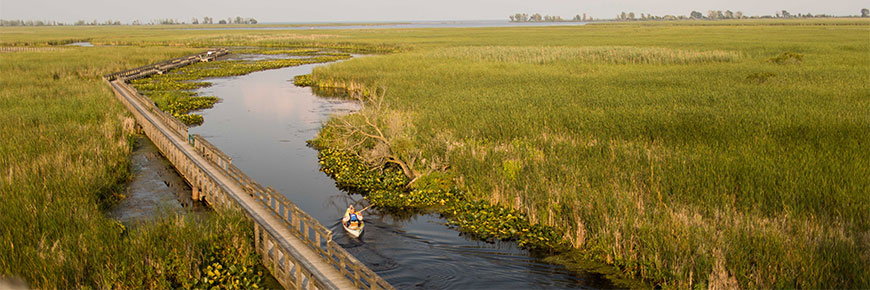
(353, 231)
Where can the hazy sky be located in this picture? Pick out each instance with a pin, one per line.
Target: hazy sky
(393, 10)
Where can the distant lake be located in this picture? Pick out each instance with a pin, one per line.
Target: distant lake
(82, 44)
(419, 24)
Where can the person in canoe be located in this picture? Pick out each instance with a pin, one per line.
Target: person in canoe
(354, 217)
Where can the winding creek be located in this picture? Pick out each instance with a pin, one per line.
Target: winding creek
(263, 122)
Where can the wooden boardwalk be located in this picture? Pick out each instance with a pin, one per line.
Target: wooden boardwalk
(297, 249)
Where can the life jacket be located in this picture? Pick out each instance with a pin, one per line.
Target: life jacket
(353, 217)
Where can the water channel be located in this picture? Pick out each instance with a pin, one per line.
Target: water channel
(155, 188)
(263, 122)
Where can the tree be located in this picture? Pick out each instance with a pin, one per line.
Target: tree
(623, 16)
(519, 17)
(729, 14)
(738, 14)
(785, 14)
(865, 12)
(194, 21)
(522, 17)
(380, 136)
(715, 14)
(222, 22)
(696, 15)
(630, 15)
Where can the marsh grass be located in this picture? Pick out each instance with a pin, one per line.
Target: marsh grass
(686, 155)
(598, 54)
(685, 173)
(64, 148)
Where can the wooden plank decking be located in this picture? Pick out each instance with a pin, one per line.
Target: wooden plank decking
(283, 233)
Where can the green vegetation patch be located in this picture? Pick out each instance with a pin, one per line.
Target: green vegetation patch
(171, 90)
(787, 58)
(759, 78)
(303, 80)
(388, 188)
(295, 51)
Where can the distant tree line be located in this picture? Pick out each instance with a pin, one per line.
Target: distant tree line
(727, 14)
(537, 17)
(710, 15)
(205, 20)
(4, 22)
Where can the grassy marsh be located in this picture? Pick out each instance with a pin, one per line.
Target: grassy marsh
(702, 153)
(689, 155)
(64, 147)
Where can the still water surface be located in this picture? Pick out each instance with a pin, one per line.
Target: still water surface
(406, 25)
(263, 122)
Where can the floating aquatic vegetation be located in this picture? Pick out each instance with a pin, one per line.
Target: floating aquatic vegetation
(171, 90)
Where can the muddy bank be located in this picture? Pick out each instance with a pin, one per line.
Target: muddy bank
(156, 187)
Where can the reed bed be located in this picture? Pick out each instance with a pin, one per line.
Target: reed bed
(64, 148)
(599, 54)
(689, 156)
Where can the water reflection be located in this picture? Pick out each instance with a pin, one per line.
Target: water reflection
(156, 188)
(256, 57)
(82, 44)
(263, 122)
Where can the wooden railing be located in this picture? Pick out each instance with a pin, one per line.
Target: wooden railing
(311, 231)
(28, 49)
(278, 255)
(163, 66)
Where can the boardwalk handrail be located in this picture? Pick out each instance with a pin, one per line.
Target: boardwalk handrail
(299, 276)
(165, 65)
(315, 235)
(288, 266)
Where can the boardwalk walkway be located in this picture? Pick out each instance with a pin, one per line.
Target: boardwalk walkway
(296, 248)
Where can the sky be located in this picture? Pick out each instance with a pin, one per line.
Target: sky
(393, 10)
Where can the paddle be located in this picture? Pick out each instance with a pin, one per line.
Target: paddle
(364, 209)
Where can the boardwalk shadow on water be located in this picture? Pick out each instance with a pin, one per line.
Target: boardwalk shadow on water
(156, 188)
